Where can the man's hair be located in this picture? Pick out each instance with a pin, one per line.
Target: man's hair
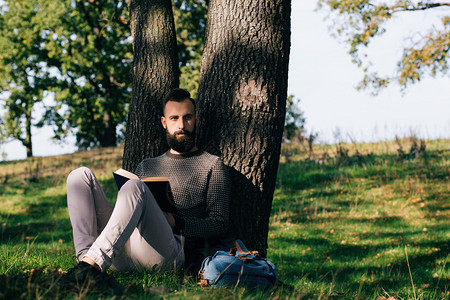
(177, 95)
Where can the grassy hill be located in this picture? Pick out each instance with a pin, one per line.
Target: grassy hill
(348, 221)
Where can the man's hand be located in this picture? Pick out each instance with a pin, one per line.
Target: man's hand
(170, 219)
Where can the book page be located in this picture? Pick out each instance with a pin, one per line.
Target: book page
(152, 179)
(126, 174)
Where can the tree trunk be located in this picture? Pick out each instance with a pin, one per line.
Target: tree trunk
(155, 72)
(242, 104)
(27, 142)
(108, 136)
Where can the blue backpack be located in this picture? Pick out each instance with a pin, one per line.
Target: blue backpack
(239, 267)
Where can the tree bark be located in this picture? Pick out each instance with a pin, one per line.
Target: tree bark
(242, 104)
(155, 72)
(108, 136)
(28, 142)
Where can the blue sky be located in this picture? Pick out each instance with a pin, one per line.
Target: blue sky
(322, 76)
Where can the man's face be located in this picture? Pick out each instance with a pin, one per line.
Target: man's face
(180, 122)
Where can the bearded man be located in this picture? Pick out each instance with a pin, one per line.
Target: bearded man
(136, 234)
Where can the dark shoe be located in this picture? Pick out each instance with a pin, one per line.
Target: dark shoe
(81, 272)
(83, 276)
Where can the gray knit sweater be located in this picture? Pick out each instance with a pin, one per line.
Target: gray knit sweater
(201, 189)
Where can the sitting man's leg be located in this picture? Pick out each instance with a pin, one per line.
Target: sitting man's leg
(137, 236)
(138, 227)
(89, 210)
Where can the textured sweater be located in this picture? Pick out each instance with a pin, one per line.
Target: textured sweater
(201, 189)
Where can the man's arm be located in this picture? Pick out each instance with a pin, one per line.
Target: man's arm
(216, 221)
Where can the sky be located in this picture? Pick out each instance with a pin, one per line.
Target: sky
(323, 78)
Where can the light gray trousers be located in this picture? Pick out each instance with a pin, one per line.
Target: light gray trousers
(134, 235)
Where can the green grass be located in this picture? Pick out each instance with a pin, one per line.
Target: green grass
(348, 221)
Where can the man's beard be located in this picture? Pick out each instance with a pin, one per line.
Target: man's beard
(181, 144)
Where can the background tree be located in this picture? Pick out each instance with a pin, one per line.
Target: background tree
(242, 103)
(82, 54)
(24, 76)
(359, 22)
(294, 124)
(92, 51)
(155, 72)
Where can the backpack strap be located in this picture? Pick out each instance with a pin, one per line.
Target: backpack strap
(240, 247)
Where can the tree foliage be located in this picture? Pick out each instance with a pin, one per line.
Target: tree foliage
(92, 51)
(24, 76)
(360, 21)
(82, 54)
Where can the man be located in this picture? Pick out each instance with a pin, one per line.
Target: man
(136, 234)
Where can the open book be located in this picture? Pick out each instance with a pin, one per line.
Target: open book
(159, 186)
